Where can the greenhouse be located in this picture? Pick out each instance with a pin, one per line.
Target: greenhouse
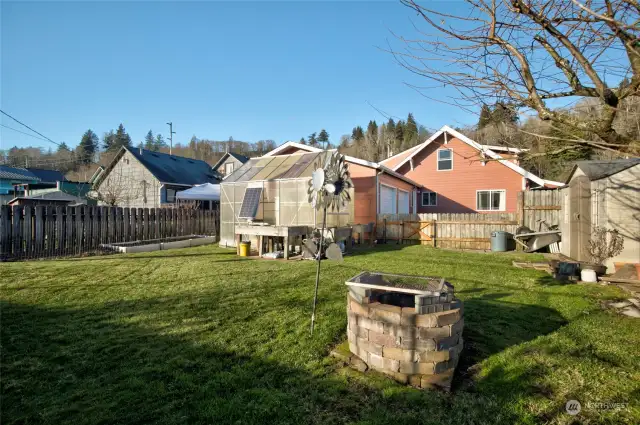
(269, 194)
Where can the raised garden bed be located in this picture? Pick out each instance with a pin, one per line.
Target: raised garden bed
(160, 244)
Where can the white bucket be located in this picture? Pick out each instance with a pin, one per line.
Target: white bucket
(587, 275)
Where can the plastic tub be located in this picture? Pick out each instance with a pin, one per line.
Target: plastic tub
(245, 248)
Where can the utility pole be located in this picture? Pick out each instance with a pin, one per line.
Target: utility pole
(171, 133)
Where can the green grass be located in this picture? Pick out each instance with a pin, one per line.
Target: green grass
(202, 336)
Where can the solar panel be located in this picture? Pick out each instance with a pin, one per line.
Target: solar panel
(250, 202)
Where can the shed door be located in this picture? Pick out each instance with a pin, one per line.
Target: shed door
(387, 200)
(403, 202)
(580, 217)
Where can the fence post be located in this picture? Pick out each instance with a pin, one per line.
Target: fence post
(5, 231)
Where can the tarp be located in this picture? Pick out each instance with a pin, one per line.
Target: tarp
(200, 192)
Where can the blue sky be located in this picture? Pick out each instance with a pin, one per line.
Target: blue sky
(251, 70)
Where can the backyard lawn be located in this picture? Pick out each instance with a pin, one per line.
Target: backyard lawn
(201, 336)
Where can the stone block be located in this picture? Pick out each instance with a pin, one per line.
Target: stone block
(386, 316)
(375, 361)
(401, 331)
(361, 332)
(414, 380)
(402, 378)
(358, 364)
(398, 354)
(426, 321)
(352, 320)
(408, 316)
(416, 368)
(457, 327)
(383, 339)
(418, 344)
(369, 346)
(358, 308)
(426, 309)
(448, 342)
(424, 300)
(446, 306)
(441, 380)
(433, 356)
(458, 305)
(434, 333)
(372, 325)
(440, 367)
(389, 307)
(439, 308)
(351, 337)
(408, 311)
(391, 365)
(447, 317)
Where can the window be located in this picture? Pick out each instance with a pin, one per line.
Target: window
(429, 199)
(445, 159)
(171, 195)
(228, 168)
(490, 200)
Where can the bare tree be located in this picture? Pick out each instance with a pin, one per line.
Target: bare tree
(119, 190)
(531, 54)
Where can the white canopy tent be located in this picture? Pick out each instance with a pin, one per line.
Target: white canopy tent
(200, 192)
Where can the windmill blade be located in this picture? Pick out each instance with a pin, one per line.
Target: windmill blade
(311, 247)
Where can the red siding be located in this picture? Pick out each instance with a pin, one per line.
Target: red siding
(365, 204)
(457, 188)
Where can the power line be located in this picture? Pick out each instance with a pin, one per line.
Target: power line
(22, 132)
(38, 133)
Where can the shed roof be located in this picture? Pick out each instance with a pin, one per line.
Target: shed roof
(14, 173)
(596, 170)
(276, 167)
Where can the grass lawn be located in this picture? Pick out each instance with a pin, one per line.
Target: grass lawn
(202, 336)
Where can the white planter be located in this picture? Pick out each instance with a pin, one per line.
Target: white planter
(587, 275)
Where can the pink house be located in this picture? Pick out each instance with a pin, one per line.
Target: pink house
(460, 175)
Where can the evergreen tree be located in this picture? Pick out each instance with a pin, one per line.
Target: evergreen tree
(410, 132)
(357, 134)
(399, 136)
(62, 147)
(149, 141)
(323, 137)
(159, 143)
(87, 147)
(312, 139)
(485, 117)
(122, 137)
(108, 139)
(303, 141)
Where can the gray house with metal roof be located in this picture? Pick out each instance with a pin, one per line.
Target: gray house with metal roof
(229, 163)
(142, 178)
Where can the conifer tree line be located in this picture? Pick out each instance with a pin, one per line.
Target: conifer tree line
(380, 141)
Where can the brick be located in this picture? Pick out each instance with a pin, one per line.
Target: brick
(433, 356)
(369, 346)
(456, 328)
(434, 333)
(418, 344)
(375, 361)
(401, 331)
(447, 317)
(383, 339)
(389, 307)
(426, 321)
(391, 365)
(448, 342)
(408, 316)
(386, 316)
(358, 308)
(372, 325)
(446, 306)
(424, 300)
(398, 354)
(361, 332)
(413, 368)
(352, 320)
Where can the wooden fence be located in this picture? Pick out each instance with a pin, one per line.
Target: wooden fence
(469, 230)
(57, 231)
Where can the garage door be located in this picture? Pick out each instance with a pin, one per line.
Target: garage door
(387, 200)
(403, 202)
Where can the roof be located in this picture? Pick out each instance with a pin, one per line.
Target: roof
(168, 169)
(596, 170)
(237, 156)
(49, 176)
(201, 192)
(297, 165)
(481, 148)
(290, 144)
(14, 173)
(57, 195)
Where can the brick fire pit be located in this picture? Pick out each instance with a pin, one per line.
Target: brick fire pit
(408, 327)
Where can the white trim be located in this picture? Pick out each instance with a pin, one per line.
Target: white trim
(290, 144)
(479, 147)
(503, 200)
(504, 149)
(396, 155)
(438, 159)
(422, 204)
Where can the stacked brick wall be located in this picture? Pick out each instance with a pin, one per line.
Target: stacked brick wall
(417, 345)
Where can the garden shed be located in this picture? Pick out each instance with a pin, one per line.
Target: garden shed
(606, 194)
(272, 191)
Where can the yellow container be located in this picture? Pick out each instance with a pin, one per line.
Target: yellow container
(245, 248)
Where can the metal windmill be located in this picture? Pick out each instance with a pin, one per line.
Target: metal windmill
(328, 189)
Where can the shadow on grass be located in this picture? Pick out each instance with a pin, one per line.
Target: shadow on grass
(102, 365)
